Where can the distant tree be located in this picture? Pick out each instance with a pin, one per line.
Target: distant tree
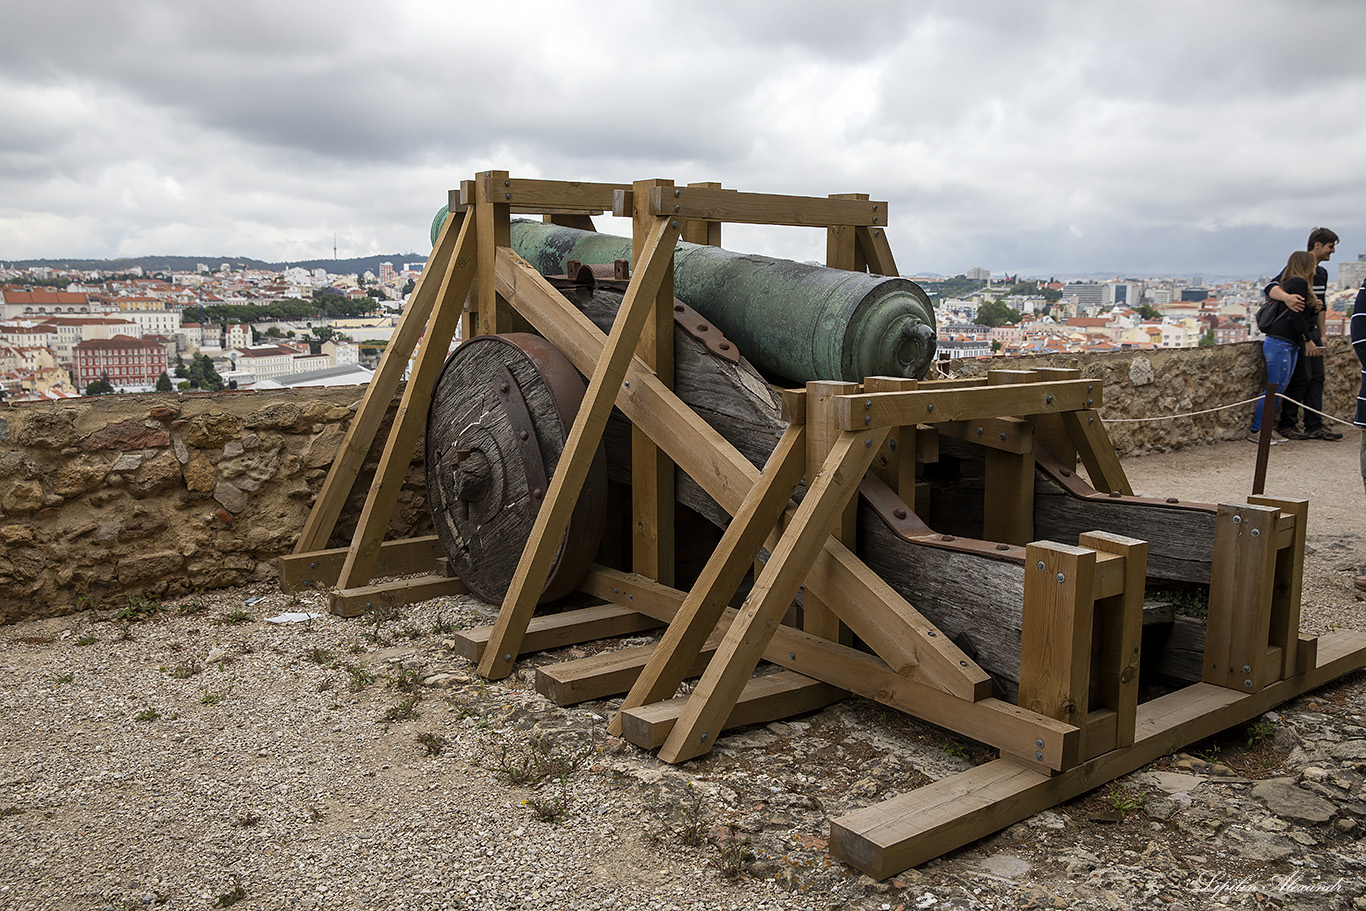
(408, 287)
(1207, 340)
(996, 345)
(164, 383)
(324, 333)
(101, 386)
(995, 313)
(273, 331)
(1148, 312)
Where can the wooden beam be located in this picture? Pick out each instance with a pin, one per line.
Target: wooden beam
(578, 222)
(992, 721)
(1055, 637)
(542, 195)
(764, 208)
(655, 258)
(1238, 629)
(1006, 434)
(352, 602)
(889, 837)
(714, 697)
(652, 472)
(817, 617)
(411, 419)
(841, 246)
(763, 699)
(729, 562)
(696, 231)
(1289, 579)
(1120, 635)
(323, 567)
(899, 452)
(1094, 446)
(355, 445)
(935, 406)
(606, 674)
(1050, 432)
(559, 630)
(872, 243)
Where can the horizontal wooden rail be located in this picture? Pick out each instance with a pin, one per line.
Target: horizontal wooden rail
(936, 406)
(765, 208)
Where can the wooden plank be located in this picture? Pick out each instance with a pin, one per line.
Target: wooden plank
(768, 698)
(992, 721)
(1006, 434)
(765, 208)
(495, 230)
(1286, 590)
(655, 259)
(895, 631)
(1050, 432)
(907, 830)
(1307, 654)
(1238, 628)
(1009, 501)
(841, 245)
(1120, 634)
(352, 602)
(570, 627)
(1093, 444)
(541, 195)
(703, 232)
(872, 243)
(817, 617)
(899, 451)
(410, 421)
(577, 221)
(714, 697)
(606, 674)
(379, 392)
(721, 576)
(323, 567)
(1055, 639)
(935, 406)
(652, 472)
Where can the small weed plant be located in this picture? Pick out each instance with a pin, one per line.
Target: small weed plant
(246, 820)
(732, 852)
(360, 678)
(441, 626)
(319, 656)
(956, 750)
(406, 680)
(214, 698)
(195, 604)
(137, 609)
(539, 762)
(87, 639)
(1260, 731)
(147, 715)
(405, 710)
(551, 808)
(434, 744)
(64, 678)
(10, 811)
(234, 618)
(1124, 801)
(228, 899)
(187, 669)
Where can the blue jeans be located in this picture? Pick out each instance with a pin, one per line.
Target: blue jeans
(1280, 357)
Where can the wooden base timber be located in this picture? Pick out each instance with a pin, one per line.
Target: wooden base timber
(606, 674)
(352, 602)
(323, 567)
(889, 837)
(549, 631)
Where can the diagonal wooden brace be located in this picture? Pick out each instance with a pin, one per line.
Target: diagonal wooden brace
(411, 418)
(715, 695)
(322, 520)
(654, 260)
(727, 476)
(674, 655)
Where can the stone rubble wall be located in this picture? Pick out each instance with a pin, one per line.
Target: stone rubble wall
(162, 494)
(1149, 384)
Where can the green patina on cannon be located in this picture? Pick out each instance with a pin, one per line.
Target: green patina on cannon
(795, 321)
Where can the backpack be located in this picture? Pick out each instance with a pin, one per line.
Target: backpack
(1267, 314)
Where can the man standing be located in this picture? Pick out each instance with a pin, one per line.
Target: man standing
(1306, 384)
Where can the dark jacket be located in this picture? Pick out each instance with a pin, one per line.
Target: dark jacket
(1292, 326)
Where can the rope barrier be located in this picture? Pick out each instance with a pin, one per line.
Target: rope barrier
(1191, 414)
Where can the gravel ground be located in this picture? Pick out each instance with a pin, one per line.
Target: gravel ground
(201, 756)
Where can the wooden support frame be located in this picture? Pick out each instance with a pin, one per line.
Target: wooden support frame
(1079, 721)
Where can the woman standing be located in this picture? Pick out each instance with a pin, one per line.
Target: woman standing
(1288, 334)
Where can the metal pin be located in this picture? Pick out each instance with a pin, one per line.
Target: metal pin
(677, 192)
(1039, 743)
(704, 736)
(1256, 532)
(1237, 520)
(868, 442)
(1039, 565)
(867, 403)
(1061, 577)
(868, 419)
(1038, 756)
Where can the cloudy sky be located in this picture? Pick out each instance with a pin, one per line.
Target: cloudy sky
(1045, 138)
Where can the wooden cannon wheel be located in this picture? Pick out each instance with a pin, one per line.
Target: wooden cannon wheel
(500, 414)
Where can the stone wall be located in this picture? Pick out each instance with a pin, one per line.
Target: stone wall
(162, 494)
(1150, 384)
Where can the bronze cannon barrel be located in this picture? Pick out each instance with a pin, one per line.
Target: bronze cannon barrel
(795, 321)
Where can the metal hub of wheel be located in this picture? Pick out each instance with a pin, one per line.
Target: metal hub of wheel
(499, 418)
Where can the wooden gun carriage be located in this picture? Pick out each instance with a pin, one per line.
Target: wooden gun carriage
(948, 559)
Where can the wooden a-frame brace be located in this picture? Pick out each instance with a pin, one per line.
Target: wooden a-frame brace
(1078, 722)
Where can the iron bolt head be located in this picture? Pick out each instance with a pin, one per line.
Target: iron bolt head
(1039, 743)
(1039, 565)
(1061, 577)
(1038, 756)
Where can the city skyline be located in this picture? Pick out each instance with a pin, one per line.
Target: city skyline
(1047, 139)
